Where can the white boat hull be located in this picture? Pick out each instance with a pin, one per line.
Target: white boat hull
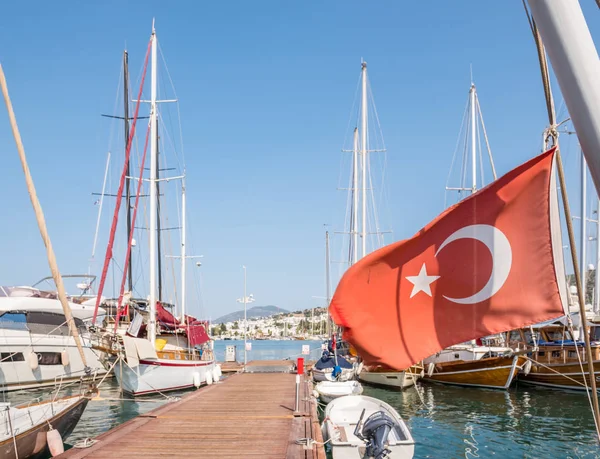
(347, 374)
(163, 375)
(341, 417)
(329, 391)
(394, 379)
(16, 372)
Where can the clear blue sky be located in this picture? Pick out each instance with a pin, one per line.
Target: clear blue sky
(265, 93)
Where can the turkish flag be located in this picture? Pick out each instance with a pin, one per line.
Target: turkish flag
(489, 264)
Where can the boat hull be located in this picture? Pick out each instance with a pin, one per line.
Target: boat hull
(329, 391)
(162, 375)
(32, 443)
(347, 374)
(341, 417)
(492, 373)
(560, 376)
(17, 375)
(389, 379)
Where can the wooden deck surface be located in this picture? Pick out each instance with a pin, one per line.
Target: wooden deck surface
(245, 416)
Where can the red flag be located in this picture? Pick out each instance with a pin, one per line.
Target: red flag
(491, 263)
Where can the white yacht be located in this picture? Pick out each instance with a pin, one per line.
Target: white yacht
(36, 348)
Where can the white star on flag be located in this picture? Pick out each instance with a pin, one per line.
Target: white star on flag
(421, 282)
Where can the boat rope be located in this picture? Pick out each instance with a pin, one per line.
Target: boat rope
(551, 133)
(85, 443)
(115, 220)
(41, 221)
(129, 243)
(12, 432)
(536, 362)
(309, 442)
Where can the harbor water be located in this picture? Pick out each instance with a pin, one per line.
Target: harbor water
(445, 421)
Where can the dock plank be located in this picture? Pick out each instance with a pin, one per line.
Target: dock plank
(247, 415)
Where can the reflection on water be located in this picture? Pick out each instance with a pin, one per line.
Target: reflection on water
(523, 422)
(445, 421)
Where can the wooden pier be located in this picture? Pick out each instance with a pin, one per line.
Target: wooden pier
(248, 415)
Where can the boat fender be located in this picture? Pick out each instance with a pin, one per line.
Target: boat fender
(359, 369)
(430, 369)
(55, 443)
(197, 380)
(32, 359)
(209, 378)
(315, 394)
(527, 367)
(218, 369)
(215, 373)
(64, 358)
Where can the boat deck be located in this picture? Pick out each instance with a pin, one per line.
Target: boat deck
(247, 415)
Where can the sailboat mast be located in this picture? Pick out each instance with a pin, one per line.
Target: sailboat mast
(473, 138)
(363, 138)
(355, 197)
(153, 197)
(327, 281)
(127, 179)
(158, 230)
(583, 267)
(183, 254)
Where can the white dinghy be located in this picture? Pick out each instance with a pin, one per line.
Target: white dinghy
(329, 390)
(361, 427)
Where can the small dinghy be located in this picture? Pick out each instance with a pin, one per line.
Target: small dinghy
(332, 368)
(361, 427)
(329, 390)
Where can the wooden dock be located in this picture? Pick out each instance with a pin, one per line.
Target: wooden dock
(248, 415)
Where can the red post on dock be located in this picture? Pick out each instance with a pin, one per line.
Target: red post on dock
(300, 366)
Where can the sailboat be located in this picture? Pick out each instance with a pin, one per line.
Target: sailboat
(173, 354)
(484, 363)
(361, 183)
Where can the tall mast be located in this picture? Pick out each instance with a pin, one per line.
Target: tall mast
(158, 230)
(363, 138)
(183, 255)
(127, 179)
(355, 197)
(327, 281)
(583, 266)
(473, 138)
(153, 196)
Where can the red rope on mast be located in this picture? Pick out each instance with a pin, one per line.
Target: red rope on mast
(113, 228)
(135, 209)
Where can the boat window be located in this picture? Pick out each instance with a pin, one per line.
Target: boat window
(49, 358)
(572, 354)
(555, 353)
(13, 321)
(514, 336)
(457, 356)
(595, 333)
(50, 323)
(11, 357)
(557, 334)
(541, 353)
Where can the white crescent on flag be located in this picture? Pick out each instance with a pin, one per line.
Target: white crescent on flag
(499, 247)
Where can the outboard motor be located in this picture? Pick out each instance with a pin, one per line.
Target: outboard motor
(374, 432)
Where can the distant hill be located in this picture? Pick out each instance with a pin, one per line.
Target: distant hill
(256, 311)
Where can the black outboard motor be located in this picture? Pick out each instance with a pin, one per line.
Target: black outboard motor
(374, 432)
